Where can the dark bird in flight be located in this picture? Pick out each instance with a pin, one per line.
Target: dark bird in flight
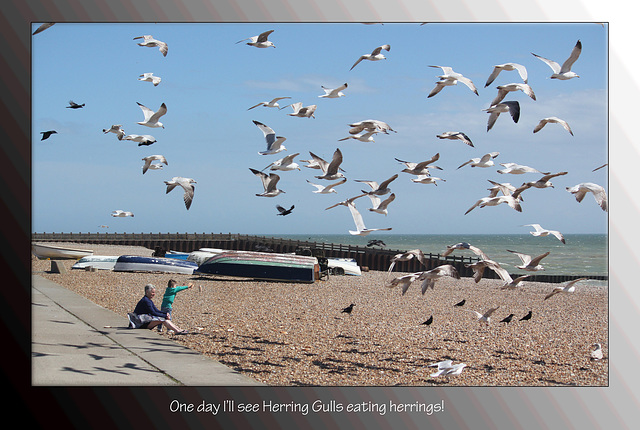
(47, 134)
(526, 317)
(349, 308)
(284, 211)
(429, 321)
(507, 319)
(376, 242)
(460, 303)
(74, 105)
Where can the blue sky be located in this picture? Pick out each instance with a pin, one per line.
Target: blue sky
(81, 175)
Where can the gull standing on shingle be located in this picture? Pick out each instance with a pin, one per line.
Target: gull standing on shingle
(599, 193)
(271, 103)
(333, 93)
(148, 77)
(569, 287)
(117, 129)
(528, 263)
(522, 71)
(269, 183)
(274, 143)
(449, 75)
(513, 107)
(187, 186)
(150, 42)
(485, 161)
(142, 139)
(374, 56)
(322, 189)
(148, 160)
(542, 232)
(421, 168)
(361, 230)
(503, 90)
(564, 72)
(552, 120)
(259, 41)
(285, 164)
(453, 135)
(151, 118)
(330, 170)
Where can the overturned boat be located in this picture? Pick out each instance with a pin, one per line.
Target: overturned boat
(265, 266)
(136, 263)
(55, 252)
(344, 266)
(102, 262)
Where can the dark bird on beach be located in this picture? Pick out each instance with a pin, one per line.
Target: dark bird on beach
(429, 321)
(47, 134)
(376, 242)
(349, 308)
(526, 317)
(284, 211)
(460, 303)
(507, 319)
(74, 105)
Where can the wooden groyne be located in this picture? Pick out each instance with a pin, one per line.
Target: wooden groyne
(366, 257)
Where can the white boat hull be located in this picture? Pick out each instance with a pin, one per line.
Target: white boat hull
(349, 265)
(53, 252)
(102, 262)
(129, 263)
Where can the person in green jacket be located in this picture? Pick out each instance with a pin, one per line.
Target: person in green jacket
(170, 296)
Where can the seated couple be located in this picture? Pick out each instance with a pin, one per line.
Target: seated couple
(147, 316)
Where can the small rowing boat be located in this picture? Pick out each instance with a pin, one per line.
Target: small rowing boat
(265, 266)
(344, 266)
(103, 262)
(55, 252)
(136, 263)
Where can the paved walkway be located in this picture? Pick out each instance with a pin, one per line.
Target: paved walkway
(76, 342)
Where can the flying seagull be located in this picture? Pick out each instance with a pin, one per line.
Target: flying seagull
(282, 211)
(503, 90)
(269, 183)
(150, 117)
(421, 168)
(116, 129)
(452, 78)
(465, 245)
(453, 135)
(327, 189)
(285, 164)
(552, 120)
(495, 201)
(186, 184)
(512, 284)
(376, 242)
(429, 277)
(142, 139)
(361, 230)
(378, 189)
(74, 105)
(370, 125)
(427, 179)
(333, 93)
(542, 232)
(479, 267)
(599, 193)
(545, 181)
(149, 77)
(302, 112)
(379, 206)
(598, 168)
(270, 103)
(564, 72)
(518, 169)
(150, 42)
(485, 317)
(121, 214)
(485, 161)
(346, 202)
(148, 160)
(446, 368)
(404, 281)
(259, 41)
(407, 256)
(513, 107)
(569, 287)
(274, 143)
(47, 134)
(530, 264)
(374, 56)
(330, 170)
(522, 71)
(364, 137)
(43, 27)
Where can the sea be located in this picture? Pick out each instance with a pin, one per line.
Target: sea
(582, 254)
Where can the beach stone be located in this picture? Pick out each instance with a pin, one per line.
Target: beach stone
(58, 267)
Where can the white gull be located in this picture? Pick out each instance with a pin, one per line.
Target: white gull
(187, 185)
(375, 55)
(563, 72)
(150, 117)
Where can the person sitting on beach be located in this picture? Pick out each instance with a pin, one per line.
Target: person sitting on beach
(149, 316)
(170, 296)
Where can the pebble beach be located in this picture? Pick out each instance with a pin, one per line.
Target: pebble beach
(295, 334)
